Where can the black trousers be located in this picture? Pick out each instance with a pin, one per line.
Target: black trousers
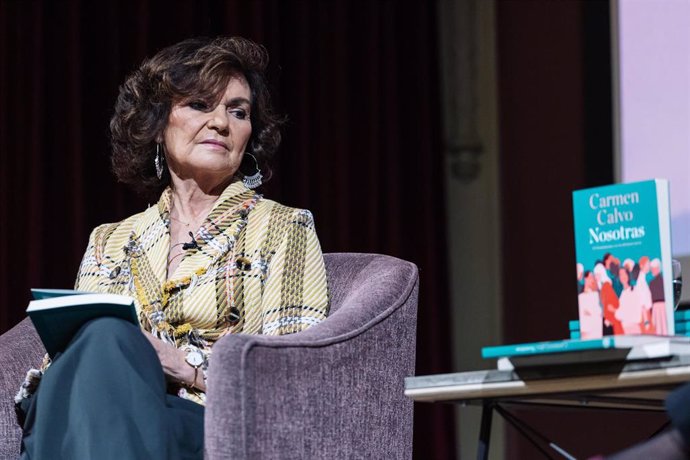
(105, 398)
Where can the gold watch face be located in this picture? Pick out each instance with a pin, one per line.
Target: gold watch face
(194, 358)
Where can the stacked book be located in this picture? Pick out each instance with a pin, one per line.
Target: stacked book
(587, 355)
(682, 318)
(606, 350)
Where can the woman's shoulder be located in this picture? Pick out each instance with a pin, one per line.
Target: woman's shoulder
(116, 230)
(278, 213)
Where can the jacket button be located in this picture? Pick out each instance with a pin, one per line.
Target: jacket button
(243, 264)
(233, 316)
(115, 271)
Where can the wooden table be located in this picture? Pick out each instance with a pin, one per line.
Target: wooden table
(639, 385)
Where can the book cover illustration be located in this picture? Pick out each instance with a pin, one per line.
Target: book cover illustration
(623, 254)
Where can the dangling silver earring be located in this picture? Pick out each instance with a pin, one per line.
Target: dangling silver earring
(158, 161)
(254, 180)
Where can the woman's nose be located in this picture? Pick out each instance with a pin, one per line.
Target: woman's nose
(219, 119)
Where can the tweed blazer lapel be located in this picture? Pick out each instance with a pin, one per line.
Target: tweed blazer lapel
(214, 237)
(147, 251)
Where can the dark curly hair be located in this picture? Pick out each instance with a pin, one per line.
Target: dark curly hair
(199, 68)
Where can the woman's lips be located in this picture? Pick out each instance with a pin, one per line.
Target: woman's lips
(215, 143)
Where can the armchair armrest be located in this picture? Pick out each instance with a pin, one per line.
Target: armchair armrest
(20, 350)
(335, 390)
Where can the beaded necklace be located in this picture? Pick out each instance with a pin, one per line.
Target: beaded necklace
(155, 310)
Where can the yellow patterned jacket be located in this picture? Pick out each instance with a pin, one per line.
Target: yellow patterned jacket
(256, 268)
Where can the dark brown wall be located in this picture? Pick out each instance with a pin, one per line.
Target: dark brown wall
(542, 161)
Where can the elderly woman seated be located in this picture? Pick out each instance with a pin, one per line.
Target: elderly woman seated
(194, 127)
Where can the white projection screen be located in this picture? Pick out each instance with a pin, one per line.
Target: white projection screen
(651, 71)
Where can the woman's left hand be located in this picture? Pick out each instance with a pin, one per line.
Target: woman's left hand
(173, 361)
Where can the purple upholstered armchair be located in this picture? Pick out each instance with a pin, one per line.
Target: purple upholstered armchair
(333, 391)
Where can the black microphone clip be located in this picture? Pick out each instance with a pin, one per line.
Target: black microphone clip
(192, 244)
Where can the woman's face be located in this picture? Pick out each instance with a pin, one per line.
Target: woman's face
(623, 277)
(207, 142)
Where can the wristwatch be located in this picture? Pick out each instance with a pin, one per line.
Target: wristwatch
(194, 358)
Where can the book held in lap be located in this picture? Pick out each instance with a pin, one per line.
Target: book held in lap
(58, 314)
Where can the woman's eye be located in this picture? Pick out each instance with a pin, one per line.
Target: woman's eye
(198, 105)
(239, 113)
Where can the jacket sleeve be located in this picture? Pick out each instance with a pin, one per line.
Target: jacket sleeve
(89, 273)
(295, 296)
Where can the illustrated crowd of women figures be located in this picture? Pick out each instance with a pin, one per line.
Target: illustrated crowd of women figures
(627, 298)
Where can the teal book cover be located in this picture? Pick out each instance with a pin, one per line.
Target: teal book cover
(537, 348)
(682, 315)
(58, 314)
(623, 255)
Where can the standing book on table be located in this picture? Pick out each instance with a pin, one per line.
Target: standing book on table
(58, 314)
(623, 254)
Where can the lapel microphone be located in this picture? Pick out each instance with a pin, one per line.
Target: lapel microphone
(192, 244)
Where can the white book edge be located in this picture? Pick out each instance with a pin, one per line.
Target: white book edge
(634, 340)
(663, 200)
(504, 364)
(78, 299)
